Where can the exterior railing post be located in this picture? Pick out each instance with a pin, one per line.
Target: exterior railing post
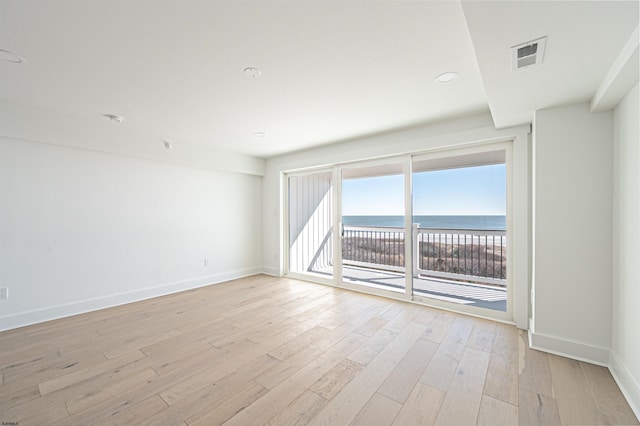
(415, 249)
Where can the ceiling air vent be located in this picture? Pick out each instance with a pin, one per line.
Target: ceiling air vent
(528, 54)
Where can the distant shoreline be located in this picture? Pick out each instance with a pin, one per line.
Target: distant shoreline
(479, 222)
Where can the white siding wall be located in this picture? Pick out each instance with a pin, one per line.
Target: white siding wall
(82, 230)
(310, 223)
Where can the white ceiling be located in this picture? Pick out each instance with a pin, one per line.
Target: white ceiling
(331, 70)
(583, 40)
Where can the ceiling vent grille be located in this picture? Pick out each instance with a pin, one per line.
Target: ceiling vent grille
(528, 54)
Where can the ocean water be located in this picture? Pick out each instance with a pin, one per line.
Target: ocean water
(439, 222)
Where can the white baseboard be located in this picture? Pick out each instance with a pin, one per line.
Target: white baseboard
(22, 319)
(269, 270)
(569, 349)
(627, 384)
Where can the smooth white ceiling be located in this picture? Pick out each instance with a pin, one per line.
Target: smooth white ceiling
(583, 40)
(331, 70)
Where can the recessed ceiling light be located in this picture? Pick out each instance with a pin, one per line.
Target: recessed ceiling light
(259, 134)
(7, 56)
(114, 118)
(252, 72)
(446, 77)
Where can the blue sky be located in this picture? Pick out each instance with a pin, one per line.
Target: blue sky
(477, 190)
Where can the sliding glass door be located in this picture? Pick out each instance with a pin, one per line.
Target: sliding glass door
(431, 228)
(460, 229)
(372, 206)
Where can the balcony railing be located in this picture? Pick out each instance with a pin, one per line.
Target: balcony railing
(462, 254)
(378, 248)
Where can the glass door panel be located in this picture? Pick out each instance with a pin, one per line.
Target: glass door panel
(459, 235)
(311, 222)
(373, 235)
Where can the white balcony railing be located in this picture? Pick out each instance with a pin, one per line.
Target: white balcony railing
(462, 254)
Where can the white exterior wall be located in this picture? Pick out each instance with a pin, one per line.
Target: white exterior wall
(625, 351)
(311, 222)
(572, 181)
(82, 230)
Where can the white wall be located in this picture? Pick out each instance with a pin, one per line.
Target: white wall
(572, 174)
(454, 133)
(82, 230)
(625, 351)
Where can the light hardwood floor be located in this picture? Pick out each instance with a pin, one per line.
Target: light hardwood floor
(265, 350)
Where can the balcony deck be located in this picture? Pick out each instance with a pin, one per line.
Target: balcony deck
(482, 296)
(461, 266)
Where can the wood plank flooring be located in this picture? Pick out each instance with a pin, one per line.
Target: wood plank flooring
(276, 351)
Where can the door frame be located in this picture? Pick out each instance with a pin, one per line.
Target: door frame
(405, 162)
(506, 146)
(286, 256)
(516, 154)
